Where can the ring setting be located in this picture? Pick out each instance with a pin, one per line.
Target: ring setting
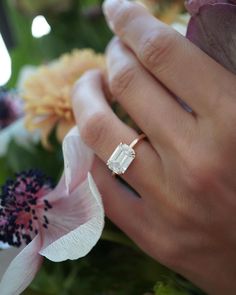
(123, 156)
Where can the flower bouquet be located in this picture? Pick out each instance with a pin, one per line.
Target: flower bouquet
(50, 206)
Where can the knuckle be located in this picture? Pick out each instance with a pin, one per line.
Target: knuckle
(156, 48)
(121, 80)
(202, 175)
(94, 129)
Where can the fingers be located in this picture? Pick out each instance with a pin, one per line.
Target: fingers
(130, 213)
(183, 68)
(122, 206)
(102, 131)
(153, 108)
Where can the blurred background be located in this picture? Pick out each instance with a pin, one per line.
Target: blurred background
(35, 32)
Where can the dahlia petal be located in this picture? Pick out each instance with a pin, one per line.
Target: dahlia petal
(22, 269)
(46, 127)
(213, 30)
(78, 159)
(76, 224)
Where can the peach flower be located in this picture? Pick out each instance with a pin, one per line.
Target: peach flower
(47, 92)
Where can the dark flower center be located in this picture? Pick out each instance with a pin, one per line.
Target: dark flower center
(23, 207)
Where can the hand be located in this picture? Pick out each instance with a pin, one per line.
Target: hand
(185, 174)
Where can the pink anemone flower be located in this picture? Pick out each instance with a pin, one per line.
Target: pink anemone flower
(37, 221)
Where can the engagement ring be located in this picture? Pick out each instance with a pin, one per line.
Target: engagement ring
(123, 156)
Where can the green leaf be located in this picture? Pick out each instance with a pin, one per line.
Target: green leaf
(20, 159)
(168, 289)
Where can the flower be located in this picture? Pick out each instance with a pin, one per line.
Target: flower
(11, 107)
(212, 27)
(17, 132)
(37, 220)
(47, 93)
(11, 123)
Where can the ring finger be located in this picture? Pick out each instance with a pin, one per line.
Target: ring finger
(102, 131)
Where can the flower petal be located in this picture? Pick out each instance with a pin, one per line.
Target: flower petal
(62, 129)
(6, 256)
(213, 30)
(4, 246)
(78, 159)
(193, 6)
(57, 193)
(75, 224)
(16, 131)
(22, 269)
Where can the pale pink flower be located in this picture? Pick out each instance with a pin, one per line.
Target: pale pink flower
(11, 107)
(59, 224)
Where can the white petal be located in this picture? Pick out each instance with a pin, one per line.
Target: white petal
(16, 131)
(76, 225)
(6, 256)
(22, 269)
(78, 159)
(4, 246)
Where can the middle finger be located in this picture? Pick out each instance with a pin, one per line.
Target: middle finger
(177, 63)
(151, 106)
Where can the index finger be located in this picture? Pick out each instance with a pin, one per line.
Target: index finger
(182, 67)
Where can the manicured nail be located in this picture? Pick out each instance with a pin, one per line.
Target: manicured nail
(109, 8)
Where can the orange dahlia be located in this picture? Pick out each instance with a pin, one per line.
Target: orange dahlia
(47, 93)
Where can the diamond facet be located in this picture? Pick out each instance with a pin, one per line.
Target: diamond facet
(121, 159)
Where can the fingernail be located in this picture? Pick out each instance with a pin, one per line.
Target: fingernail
(109, 9)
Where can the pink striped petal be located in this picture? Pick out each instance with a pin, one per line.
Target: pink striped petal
(22, 269)
(78, 159)
(57, 193)
(75, 224)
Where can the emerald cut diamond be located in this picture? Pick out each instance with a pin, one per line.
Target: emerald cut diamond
(121, 159)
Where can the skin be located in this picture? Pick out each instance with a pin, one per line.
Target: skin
(185, 172)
